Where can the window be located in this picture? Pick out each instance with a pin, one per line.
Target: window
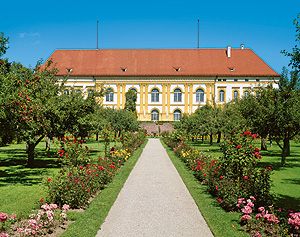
(90, 92)
(246, 79)
(78, 92)
(154, 115)
(155, 95)
(177, 95)
(257, 79)
(235, 79)
(246, 94)
(109, 95)
(221, 95)
(235, 94)
(66, 92)
(177, 115)
(199, 95)
(257, 93)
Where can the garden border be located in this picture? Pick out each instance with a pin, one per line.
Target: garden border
(88, 222)
(220, 222)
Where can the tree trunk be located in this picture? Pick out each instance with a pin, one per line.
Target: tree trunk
(30, 151)
(285, 150)
(30, 146)
(211, 139)
(263, 144)
(202, 139)
(97, 136)
(48, 142)
(219, 137)
(288, 148)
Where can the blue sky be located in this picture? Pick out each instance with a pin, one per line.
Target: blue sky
(37, 28)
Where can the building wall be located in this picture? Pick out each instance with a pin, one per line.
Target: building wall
(166, 86)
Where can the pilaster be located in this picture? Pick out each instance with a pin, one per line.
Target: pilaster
(123, 95)
(191, 98)
(118, 95)
(186, 98)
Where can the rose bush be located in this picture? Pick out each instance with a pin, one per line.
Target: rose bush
(266, 221)
(233, 175)
(40, 222)
(78, 178)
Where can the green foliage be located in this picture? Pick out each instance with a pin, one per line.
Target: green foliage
(295, 55)
(236, 173)
(3, 44)
(130, 103)
(233, 175)
(79, 178)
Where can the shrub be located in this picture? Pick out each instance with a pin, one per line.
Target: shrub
(235, 174)
(78, 179)
(266, 221)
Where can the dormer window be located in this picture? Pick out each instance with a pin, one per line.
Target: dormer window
(231, 69)
(69, 69)
(177, 69)
(124, 69)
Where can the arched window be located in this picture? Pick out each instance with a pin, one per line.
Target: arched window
(257, 93)
(177, 95)
(66, 92)
(90, 92)
(154, 115)
(177, 115)
(134, 90)
(78, 92)
(109, 95)
(235, 94)
(155, 95)
(199, 95)
(221, 95)
(246, 94)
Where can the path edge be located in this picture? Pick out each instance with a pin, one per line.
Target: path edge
(208, 207)
(93, 217)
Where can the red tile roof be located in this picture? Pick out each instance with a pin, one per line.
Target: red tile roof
(160, 62)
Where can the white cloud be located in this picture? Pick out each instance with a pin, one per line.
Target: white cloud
(22, 35)
(32, 34)
(35, 34)
(37, 42)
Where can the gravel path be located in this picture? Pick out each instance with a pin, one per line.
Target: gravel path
(154, 201)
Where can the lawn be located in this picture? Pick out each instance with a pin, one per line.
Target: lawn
(20, 187)
(286, 180)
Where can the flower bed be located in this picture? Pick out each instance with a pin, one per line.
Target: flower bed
(40, 222)
(77, 181)
(78, 178)
(232, 176)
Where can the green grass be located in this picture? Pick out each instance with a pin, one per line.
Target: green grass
(88, 222)
(20, 187)
(220, 222)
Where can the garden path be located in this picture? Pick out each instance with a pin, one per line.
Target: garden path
(154, 201)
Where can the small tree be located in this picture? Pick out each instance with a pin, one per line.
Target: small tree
(130, 103)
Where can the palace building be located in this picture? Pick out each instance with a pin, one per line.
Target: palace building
(168, 82)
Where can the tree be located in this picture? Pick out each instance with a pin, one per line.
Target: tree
(284, 109)
(255, 111)
(28, 96)
(130, 103)
(3, 44)
(77, 112)
(295, 55)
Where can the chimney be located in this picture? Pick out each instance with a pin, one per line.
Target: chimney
(242, 46)
(228, 51)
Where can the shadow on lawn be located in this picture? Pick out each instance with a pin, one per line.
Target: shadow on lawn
(287, 202)
(13, 168)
